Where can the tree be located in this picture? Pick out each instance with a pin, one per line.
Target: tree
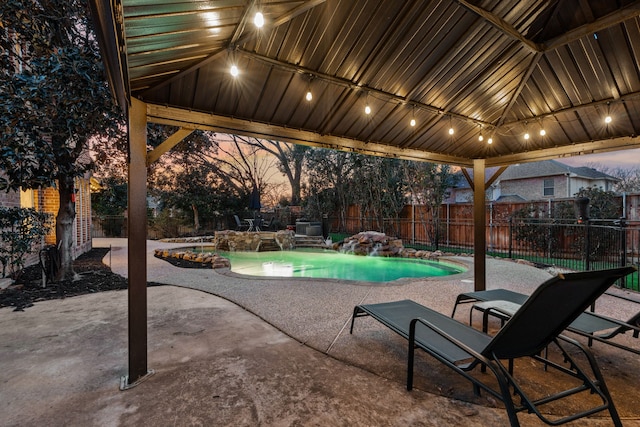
(428, 184)
(629, 177)
(53, 101)
(379, 190)
(291, 160)
(209, 174)
(331, 183)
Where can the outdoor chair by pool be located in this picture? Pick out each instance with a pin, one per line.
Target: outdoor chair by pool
(591, 325)
(537, 324)
(240, 225)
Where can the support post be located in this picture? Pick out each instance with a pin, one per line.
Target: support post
(479, 225)
(137, 255)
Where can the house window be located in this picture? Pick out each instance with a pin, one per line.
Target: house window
(548, 187)
(26, 199)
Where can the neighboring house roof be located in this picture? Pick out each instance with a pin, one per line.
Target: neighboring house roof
(551, 168)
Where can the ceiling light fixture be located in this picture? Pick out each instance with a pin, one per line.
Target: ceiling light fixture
(309, 95)
(526, 136)
(367, 108)
(490, 141)
(543, 132)
(451, 131)
(234, 70)
(608, 119)
(480, 138)
(413, 116)
(258, 20)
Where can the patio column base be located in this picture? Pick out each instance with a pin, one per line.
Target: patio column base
(124, 380)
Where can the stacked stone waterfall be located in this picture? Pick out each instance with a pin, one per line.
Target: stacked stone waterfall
(371, 243)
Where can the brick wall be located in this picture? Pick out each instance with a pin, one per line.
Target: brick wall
(532, 189)
(47, 200)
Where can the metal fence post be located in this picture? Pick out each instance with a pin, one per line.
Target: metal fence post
(510, 237)
(587, 249)
(623, 242)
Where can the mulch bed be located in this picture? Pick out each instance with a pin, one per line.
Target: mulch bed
(92, 276)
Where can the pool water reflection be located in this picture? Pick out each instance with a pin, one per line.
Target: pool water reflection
(334, 265)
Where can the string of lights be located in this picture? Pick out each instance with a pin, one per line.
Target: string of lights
(484, 129)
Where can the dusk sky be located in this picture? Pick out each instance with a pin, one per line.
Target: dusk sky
(628, 159)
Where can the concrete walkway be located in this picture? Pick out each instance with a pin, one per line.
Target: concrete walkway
(230, 350)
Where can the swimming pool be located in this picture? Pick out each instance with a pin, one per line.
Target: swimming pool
(334, 265)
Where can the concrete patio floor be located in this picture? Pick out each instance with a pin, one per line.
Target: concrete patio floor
(230, 350)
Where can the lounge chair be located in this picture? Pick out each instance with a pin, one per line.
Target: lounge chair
(537, 324)
(591, 325)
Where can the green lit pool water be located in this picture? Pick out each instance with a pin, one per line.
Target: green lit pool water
(334, 265)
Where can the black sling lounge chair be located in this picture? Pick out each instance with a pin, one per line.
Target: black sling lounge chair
(538, 323)
(591, 325)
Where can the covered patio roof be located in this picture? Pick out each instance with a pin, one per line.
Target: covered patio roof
(462, 69)
(496, 68)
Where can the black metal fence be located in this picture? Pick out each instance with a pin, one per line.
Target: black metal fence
(591, 245)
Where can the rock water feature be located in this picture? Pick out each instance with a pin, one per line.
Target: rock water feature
(230, 241)
(373, 243)
(251, 241)
(370, 243)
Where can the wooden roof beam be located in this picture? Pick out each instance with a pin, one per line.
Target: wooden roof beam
(204, 121)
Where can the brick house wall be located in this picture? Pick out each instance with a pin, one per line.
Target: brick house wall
(533, 188)
(10, 200)
(47, 200)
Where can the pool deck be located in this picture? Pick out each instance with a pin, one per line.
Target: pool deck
(234, 350)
